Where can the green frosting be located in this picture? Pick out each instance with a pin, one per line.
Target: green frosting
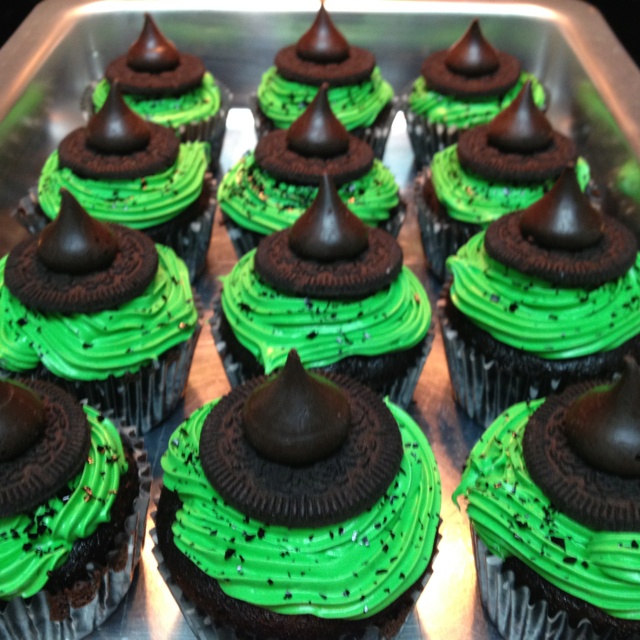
(464, 113)
(269, 323)
(628, 179)
(35, 543)
(472, 199)
(172, 111)
(283, 101)
(513, 517)
(259, 202)
(349, 570)
(112, 342)
(534, 315)
(140, 203)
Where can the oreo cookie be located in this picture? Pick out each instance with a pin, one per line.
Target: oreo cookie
(35, 474)
(65, 271)
(323, 492)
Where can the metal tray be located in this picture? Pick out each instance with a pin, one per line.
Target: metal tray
(64, 45)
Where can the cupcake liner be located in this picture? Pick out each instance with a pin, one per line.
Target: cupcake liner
(510, 608)
(480, 386)
(205, 628)
(23, 619)
(441, 238)
(427, 138)
(143, 399)
(375, 135)
(209, 130)
(399, 390)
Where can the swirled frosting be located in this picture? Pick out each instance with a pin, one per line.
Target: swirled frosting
(35, 543)
(513, 517)
(532, 314)
(139, 203)
(466, 113)
(112, 342)
(172, 111)
(269, 323)
(349, 570)
(283, 101)
(259, 202)
(472, 199)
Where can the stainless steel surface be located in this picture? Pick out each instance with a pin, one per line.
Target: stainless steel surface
(64, 44)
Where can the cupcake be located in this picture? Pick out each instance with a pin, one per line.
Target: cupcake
(308, 508)
(125, 170)
(73, 503)
(102, 311)
(270, 188)
(545, 297)
(361, 99)
(553, 494)
(333, 289)
(167, 87)
(459, 88)
(492, 170)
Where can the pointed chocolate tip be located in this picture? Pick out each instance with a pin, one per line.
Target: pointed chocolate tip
(152, 52)
(296, 418)
(323, 43)
(75, 243)
(22, 419)
(328, 230)
(603, 425)
(472, 55)
(563, 218)
(116, 129)
(521, 127)
(317, 132)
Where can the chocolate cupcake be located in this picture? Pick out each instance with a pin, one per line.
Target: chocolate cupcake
(102, 311)
(168, 87)
(545, 297)
(320, 528)
(136, 173)
(333, 289)
(460, 88)
(361, 99)
(73, 503)
(271, 187)
(553, 489)
(494, 169)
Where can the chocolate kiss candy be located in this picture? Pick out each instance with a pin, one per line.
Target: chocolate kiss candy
(323, 43)
(22, 419)
(328, 230)
(152, 52)
(75, 243)
(521, 127)
(317, 132)
(563, 218)
(296, 418)
(472, 55)
(603, 425)
(116, 128)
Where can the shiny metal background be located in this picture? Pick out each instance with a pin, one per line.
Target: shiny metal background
(64, 45)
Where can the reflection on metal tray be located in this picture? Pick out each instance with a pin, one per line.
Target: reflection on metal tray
(595, 96)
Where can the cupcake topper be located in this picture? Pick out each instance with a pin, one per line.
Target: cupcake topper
(116, 129)
(603, 425)
(328, 230)
(563, 218)
(75, 243)
(22, 419)
(521, 127)
(472, 55)
(323, 43)
(296, 418)
(152, 52)
(317, 132)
